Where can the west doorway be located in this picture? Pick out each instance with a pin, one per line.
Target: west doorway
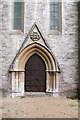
(35, 74)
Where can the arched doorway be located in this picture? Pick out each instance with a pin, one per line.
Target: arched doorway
(34, 67)
(35, 74)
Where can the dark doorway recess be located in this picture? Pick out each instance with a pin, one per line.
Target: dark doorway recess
(35, 74)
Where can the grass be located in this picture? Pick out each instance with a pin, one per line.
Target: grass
(22, 97)
(72, 97)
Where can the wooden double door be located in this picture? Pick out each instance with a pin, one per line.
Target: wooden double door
(35, 74)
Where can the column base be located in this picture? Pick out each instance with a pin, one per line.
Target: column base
(17, 94)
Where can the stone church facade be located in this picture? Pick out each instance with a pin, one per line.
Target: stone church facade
(39, 47)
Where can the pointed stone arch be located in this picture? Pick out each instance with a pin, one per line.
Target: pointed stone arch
(17, 69)
(41, 51)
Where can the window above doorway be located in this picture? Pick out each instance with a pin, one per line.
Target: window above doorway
(55, 15)
(18, 15)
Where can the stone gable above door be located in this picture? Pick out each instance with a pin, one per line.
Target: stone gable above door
(34, 36)
(34, 43)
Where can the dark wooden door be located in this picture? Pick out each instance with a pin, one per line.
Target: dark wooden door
(35, 75)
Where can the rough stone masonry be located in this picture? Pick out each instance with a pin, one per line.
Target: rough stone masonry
(64, 45)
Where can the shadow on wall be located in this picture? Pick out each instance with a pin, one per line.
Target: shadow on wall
(78, 87)
(79, 55)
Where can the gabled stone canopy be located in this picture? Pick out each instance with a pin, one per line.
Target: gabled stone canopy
(35, 39)
(38, 37)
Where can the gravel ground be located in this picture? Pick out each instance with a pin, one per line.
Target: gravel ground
(39, 107)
